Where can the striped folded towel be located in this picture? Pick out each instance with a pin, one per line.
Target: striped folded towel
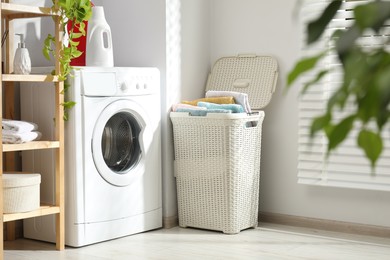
(234, 108)
(216, 100)
(240, 98)
(198, 112)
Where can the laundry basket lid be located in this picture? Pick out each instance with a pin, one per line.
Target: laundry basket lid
(250, 74)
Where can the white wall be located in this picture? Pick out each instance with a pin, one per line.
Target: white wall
(138, 31)
(188, 48)
(268, 28)
(195, 47)
(35, 31)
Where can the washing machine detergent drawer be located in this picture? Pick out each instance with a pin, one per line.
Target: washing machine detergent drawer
(98, 84)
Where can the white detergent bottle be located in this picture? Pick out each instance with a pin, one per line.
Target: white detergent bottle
(99, 42)
(22, 61)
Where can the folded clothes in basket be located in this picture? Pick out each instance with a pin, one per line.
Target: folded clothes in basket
(240, 98)
(216, 100)
(187, 107)
(234, 108)
(197, 112)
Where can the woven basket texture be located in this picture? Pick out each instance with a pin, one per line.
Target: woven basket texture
(21, 192)
(258, 73)
(217, 170)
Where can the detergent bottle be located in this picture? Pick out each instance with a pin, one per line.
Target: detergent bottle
(99, 51)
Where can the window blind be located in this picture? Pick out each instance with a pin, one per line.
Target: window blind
(346, 166)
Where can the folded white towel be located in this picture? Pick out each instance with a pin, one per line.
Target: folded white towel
(240, 98)
(17, 126)
(18, 138)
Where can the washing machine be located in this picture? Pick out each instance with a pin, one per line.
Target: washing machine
(112, 155)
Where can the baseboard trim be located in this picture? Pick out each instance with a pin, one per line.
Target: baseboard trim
(323, 224)
(170, 222)
(298, 221)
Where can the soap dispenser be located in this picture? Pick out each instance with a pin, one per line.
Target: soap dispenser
(22, 61)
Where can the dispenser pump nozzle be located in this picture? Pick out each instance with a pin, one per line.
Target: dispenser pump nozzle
(21, 44)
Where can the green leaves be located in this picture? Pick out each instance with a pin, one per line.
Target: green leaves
(83, 10)
(317, 27)
(302, 66)
(67, 106)
(74, 12)
(372, 145)
(47, 46)
(339, 132)
(320, 123)
(372, 15)
(315, 80)
(365, 86)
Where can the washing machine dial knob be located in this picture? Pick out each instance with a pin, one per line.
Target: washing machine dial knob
(124, 86)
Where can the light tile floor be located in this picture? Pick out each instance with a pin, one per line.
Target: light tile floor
(269, 241)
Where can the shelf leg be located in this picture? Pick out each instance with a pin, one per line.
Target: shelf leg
(60, 165)
(10, 164)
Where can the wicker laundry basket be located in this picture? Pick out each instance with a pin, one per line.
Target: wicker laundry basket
(217, 156)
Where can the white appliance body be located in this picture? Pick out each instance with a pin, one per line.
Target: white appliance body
(112, 156)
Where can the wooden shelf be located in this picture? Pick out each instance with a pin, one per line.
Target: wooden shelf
(34, 145)
(13, 11)
(9, 12)
(42, 211)
(30, 78)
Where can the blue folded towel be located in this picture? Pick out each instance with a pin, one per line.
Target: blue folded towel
(235, 108)
(197, 112)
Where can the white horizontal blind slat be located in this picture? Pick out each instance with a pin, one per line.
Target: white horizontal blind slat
(347, 166)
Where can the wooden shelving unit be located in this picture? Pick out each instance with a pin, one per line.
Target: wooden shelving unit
(10, 12)
(33, 78)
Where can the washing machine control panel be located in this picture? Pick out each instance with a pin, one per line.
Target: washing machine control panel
(119, 81)
(141, 82)
(126, 86)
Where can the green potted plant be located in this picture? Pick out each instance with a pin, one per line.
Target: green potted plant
(73, 15)
(366, 77)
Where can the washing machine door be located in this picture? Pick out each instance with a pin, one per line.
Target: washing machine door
(117, 142)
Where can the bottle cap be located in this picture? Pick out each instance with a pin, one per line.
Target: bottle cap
(21, 44)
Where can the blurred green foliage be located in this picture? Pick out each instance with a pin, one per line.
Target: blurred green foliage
(74, 13)
(366, 77)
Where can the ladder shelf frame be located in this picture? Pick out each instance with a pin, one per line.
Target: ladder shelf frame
(9, 12)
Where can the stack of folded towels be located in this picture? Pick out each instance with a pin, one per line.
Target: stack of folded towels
(215, 102)
(16, 132)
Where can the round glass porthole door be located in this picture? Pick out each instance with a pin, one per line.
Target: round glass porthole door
(117, 143)
(120, 142)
